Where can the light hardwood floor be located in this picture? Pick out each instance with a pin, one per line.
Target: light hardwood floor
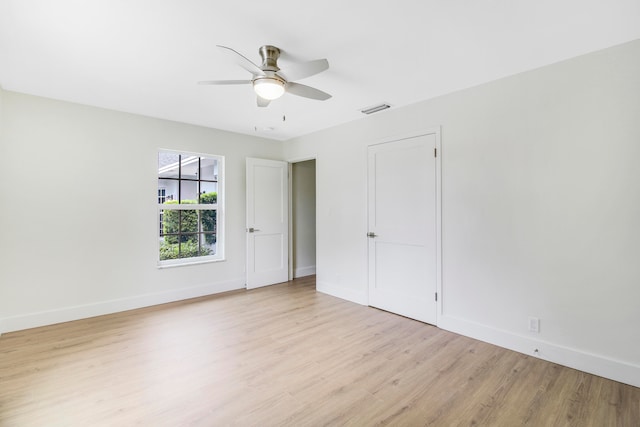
(287, 356)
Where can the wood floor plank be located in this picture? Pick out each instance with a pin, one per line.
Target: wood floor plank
(287, 355)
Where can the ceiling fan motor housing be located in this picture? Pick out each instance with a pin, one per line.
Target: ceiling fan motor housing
(269, 55)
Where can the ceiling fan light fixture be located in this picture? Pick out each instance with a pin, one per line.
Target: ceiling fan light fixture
(269, 88)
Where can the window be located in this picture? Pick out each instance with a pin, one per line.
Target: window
(189, 207)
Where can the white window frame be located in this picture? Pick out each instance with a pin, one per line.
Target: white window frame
(218, 206)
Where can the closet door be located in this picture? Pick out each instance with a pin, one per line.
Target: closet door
(402, 220)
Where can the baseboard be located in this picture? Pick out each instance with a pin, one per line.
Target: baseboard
(66, 314)
(304, 271)
(606, 367)
(361, 298)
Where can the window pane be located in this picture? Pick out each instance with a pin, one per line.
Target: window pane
(168, 165)
(190, 249)
(208, 169)
(208, 227)
(188, 222)
(169, 190)
(188, 191)
(208, 244)
(189, 167)
(170, 221)
(208, 221)
(208, 192)
(168, 242)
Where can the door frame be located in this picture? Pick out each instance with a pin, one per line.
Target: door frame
(290, 171)
(433, 130)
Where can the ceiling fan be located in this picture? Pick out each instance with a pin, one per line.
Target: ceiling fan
(268, 81)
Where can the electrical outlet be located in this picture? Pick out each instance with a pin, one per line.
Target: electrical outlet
(534, 324)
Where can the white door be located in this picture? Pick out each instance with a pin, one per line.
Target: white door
(267, 222)
(402, 227)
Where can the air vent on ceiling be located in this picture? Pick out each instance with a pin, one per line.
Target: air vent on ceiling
(375, 108)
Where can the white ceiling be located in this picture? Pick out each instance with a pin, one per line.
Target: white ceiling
(145, 56)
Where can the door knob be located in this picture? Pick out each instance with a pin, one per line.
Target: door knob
(371, 234)
(251, 229)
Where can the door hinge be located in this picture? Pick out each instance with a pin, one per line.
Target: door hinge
(435, 152)
(436, 296)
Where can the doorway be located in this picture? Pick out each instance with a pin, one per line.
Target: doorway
(303, 219)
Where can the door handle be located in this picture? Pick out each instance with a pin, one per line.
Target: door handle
(371, 234)
(251, 229)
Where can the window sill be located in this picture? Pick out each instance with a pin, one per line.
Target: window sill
(185, 263)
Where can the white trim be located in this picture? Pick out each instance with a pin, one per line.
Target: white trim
(407, 135)
(221, 215)
(177, 262)
(439, 305)
(291, 273)
(359, 297)
(181, 262)
(304, 271)
(188, 207)
(603, 366)
(49, 317)
(302, 159)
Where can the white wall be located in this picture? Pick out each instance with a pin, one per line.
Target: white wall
(1, 95)
(79, 204)
(541, 208)
(304, 218)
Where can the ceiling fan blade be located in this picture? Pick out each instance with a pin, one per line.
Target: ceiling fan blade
(307, 91)
(224, 82)
(306, 69)
(242, 61)
(262, 102)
